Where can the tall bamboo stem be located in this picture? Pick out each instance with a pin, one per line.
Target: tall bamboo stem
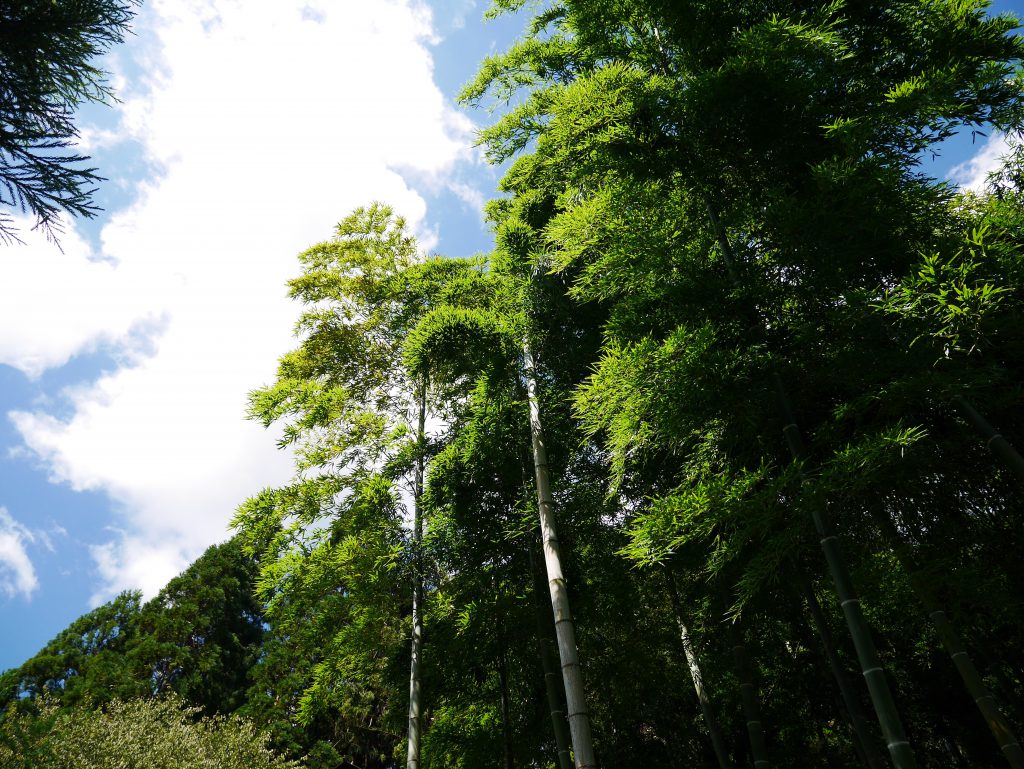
(995, 442)
(749, 698)
(954, 646)
(551, 687)
(871, 666)
(415, 704)
(881, 697)
(858, 722)
(506, 718)
(697, 677)
(565, 632)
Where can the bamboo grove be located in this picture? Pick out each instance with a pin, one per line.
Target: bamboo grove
(714, 460)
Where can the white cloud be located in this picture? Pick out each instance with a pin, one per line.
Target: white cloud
(55, 303)
(134, 562)
(973, 174)
(17, 574)
(270, 120)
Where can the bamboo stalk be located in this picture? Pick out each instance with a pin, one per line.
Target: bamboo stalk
(867, 655)
(415, 674)
(749, 698)
(551, 688)
(565, 632)
(506, 723)
(954, 646)
(995, 442)
(714, 733)
(896, 741)
(858, 722)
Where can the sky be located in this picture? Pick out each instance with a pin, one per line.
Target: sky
(245, 130)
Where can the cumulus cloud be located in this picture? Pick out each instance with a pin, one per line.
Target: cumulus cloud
(57, 302)
(268, 121)
(17, 574)
(135, 562)
(973, 174)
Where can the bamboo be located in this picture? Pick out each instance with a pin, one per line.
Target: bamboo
(565, 632)
(506, 723)
(555, 705)
(749, 698)
(871, 666)
(714, 733)
(867, 655)
(995, 442)
(415, 694)
(858, 722)
(954, 646)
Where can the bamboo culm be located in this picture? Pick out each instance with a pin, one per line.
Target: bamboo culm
(714, 733)
(415, 694)
(858, 722)
(749, 698)
(955, 648)
(896, 741)
(900, 751)
(506, 723)
(551, 684)
(995, 442)
(565, 632)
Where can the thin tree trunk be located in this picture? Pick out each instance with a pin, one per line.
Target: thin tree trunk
(995, 442)
(579, 717)
(551, 684)
(858, 722)
(749, 698)
(506, 723)
(867, 654)
(697, 677)
(954, 646)
(415, 704)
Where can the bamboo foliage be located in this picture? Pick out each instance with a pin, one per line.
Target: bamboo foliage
(704, 198)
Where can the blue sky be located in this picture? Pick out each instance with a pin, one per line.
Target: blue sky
(246, 129)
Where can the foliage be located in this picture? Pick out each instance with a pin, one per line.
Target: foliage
(152, 733)
(47, 70)
(197, 638)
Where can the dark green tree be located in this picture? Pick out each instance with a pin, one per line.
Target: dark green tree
(85, 663)
(198, 638)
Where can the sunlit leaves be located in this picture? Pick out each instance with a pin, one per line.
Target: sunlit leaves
(951, 299)
(152, 733)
